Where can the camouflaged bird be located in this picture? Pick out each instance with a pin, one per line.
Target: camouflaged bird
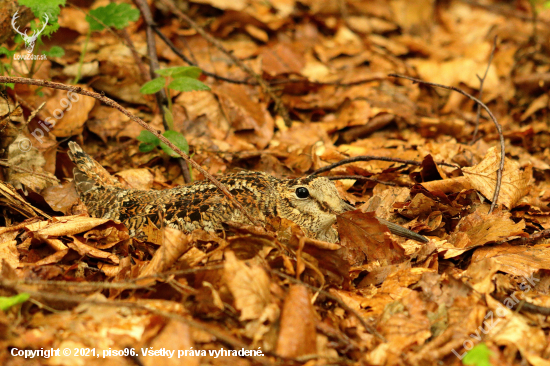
(312, 202)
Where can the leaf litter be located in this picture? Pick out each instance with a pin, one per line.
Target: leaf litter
(374, 298)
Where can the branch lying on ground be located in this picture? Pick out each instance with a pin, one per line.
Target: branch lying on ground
(379, 158)
(497, 125)
(113, 104)
(523, 305)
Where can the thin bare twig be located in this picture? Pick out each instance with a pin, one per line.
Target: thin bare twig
(113, 104)
(497, 125)
(372, 157)
(192, 63)
(279, 106)
(161, 97)
(135, 54)
(481, 81)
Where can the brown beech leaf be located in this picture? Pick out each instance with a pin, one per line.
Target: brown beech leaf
(515, 182)
(174, 336)
(480, 228)
(365, 237)
(67, 112)
(85, 249)
(249, 286)
(175, 243)
(517, 260)
(9, 254)
(62, 197)
(297, 336)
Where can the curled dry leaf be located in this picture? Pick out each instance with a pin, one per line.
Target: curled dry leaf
(85, 249)
(62, 197)
(248, 118)
(175, 243)
(68, 225)
(515, 182)
(517, 260)
(297, 336)
(28, 166)
(67, 113)
(137, 178)
(176, 336)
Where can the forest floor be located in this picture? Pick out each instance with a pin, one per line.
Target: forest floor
(287, 87)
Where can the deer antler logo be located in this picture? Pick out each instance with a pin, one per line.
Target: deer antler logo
(29, 40)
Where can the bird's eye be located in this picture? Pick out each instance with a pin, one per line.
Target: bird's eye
(302, 192)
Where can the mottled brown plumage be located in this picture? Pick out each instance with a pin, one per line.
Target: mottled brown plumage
(202, 205)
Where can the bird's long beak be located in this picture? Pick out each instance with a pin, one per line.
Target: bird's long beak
(347, 206)
(401, 231)
(394, 228)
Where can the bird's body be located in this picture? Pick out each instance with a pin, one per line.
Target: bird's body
(203, 205)
(311, 202)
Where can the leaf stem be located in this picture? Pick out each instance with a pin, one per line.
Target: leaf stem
(82, 54)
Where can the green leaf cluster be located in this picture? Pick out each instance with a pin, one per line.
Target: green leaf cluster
(180, 78)
(150, 141)
(39, 8)
(116, 15)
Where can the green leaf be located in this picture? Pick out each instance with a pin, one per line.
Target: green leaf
(116, 15)
(148, 138)
(153, 86)
(177, 139)
(55, 51)
(185, 84)
(5, 51)
(149, 141)
(143, 147)
(478, 356)
(169, 117)
(8, 302)
(189, 71)
(9, 85)
(41, 7)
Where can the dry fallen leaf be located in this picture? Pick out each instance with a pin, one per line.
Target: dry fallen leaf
(366, 238)
(297, 335)
(249, 286)
(515, 181)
